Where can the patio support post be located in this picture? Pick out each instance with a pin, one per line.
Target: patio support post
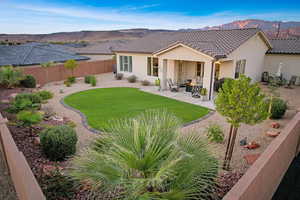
(208, 79)
(163, 73)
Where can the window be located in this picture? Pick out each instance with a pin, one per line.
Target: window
(152, 66)
(240, 68)
(126, 63)
(200, 69)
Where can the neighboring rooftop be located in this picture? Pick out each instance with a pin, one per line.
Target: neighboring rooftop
(216, 43)
(35, 53)
(285, 46)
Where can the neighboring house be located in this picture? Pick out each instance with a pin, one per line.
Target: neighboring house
(96, 51)
(286, 52)
(35, 54)
(203, 56)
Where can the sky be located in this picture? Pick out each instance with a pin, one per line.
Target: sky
(38, 16)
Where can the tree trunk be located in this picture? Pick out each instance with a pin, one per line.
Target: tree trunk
(227, 148)
(231, 148)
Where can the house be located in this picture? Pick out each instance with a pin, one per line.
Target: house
(35, 54)
(203, 56)
(285, 52)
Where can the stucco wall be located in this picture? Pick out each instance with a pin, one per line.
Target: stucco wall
(227, 69)
(290, 67)
(98, 57)
(253, 51)
(139, 66)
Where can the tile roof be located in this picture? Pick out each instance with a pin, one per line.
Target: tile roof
(285, 46)
(35, 53)
(216, 43)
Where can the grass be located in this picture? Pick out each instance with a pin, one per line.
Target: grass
(100, 106)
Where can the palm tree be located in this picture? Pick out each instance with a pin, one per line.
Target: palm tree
(147, 157)
(10, 76)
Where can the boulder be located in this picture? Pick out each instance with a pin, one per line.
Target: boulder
(275, 125)
(272, 133)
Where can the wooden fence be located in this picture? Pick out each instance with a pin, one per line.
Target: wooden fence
(26, 186)
(59, 72)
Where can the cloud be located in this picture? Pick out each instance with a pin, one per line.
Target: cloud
(55, 19)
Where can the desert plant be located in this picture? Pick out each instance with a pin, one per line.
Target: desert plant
(33, 97)
(28, 82)
(240, 101)
(278, 109)
(45, 95)
(71, 79)
(67, 83)
(58, 142)
(157, 82)
(132, 79)
(10, 76)
(214, 133)
(203, 92)
(147, 158)
(22, 104)
(71, 65)
(29, 118)
(119, 76)
(93, 81)
(145, 82)
(58, 186)
(87, 79)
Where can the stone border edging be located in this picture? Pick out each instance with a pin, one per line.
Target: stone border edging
(93, 130)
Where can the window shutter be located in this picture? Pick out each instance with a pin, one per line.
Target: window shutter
(130, 63)
(121, 63)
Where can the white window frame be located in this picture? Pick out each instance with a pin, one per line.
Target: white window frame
(150, 66)
(125, 63)
(240, 67)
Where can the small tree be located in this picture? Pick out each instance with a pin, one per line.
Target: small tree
(71, 65)
(240, 101)
(46, 65)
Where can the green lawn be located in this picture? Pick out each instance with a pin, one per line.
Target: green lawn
(105, 104)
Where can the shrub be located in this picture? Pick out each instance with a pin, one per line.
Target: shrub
(145, 82)
(22, 104)
(119, 76)
(67, 83)
(71, 79)
(215, 133)
(93, 81)
(203, 92)
(58, 142)
(10, 76)
(278, 109)
(157, 82)
(33, 97)
(132, 79)
(45, 95)
(28, 82)
(87, 79)
(58, 186)
(218, 84)
(29, 118)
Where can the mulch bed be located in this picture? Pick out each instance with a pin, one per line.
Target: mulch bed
(26, 141)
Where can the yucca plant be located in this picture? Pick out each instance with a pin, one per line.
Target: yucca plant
(10, 76)
(146, 157)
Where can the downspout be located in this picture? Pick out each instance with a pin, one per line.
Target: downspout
(211, 79)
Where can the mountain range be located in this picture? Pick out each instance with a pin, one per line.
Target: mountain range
(274, 29)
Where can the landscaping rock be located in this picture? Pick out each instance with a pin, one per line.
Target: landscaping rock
(273, 133)
(275, 125)
(37, 141)
(57, 118)
(252, 145)
(13, 95)
(251, 158)
(47, 169)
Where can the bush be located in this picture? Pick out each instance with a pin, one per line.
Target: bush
(218, 84)
(119, 76)
(58, 142)
(93, 81)
(28, 82)
(67, 83)
(29, 118)
(22, 104)
(10, 76)
(132, 79)
(45, 95)
(215, 133)
(278, 109)
(87, 79)
(33, 97)
(71, 79)
(145, 82)
(58, 186)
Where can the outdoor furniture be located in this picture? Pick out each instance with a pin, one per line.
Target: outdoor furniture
(196, 91)
(173, 87)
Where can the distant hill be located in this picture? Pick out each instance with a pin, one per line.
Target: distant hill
(271, 28)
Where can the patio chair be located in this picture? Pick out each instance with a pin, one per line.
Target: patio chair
(173, 87)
